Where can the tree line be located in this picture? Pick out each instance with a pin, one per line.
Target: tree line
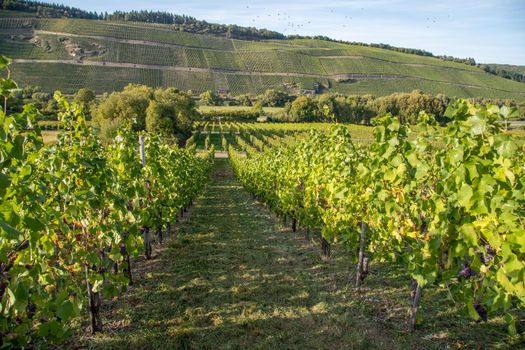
(162, 111)
(179, 22)
(345, 108)
(45, 9)
(502, 72)
(171, 111)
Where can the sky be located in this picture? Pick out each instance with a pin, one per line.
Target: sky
(490, 31)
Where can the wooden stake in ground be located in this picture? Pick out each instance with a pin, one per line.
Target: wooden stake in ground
(146, 234)
(94, 306)
(325, 249)
(362, 264)
(417, 289)
(127, 269)
(159, 234)
(413, 309)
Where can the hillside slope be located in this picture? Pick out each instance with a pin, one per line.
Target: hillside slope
(68, 54)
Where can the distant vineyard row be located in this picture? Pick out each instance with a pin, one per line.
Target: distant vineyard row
(103, 79)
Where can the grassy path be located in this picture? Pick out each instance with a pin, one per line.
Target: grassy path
(234, 278)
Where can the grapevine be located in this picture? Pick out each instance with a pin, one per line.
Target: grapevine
(447, 202)
(71, 217)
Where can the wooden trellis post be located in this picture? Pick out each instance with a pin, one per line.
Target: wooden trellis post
(146, 234)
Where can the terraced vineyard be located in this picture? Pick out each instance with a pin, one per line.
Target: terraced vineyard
(106, 56)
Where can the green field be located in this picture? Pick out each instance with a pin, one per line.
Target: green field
(239, 66)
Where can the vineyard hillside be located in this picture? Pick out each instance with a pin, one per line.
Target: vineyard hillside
(69, 54)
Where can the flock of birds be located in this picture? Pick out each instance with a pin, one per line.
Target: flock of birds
(290, 25)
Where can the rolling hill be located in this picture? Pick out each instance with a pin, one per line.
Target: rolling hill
(69, 54)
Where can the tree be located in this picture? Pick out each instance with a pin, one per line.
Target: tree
(245, 99)
(41, 99)
(304, 109)
(125, 107)
(273, 98)
(85, 98)
(209, 98)
(406, 106)
(159, 118)
(173, 112)
(327, 105)
(166, 111)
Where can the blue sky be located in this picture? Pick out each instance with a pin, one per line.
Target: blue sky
(490, 31)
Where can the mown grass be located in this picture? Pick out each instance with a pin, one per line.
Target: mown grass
(235, 278)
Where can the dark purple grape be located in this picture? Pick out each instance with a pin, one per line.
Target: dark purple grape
(491, 252)
(467, 272)
(482, 312)
(424, 223)
(488, 255)
(31, 310)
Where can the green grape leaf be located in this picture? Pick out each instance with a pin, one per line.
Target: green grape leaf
(49, 329)
(473, 314)
(5, 181)
(7, 86)
(511, 324)
(478, 125)
(505, 146)
(464, 195)
(4, 61)
(9, 232)
(65, 310)
(503, 280)
(468, 233)
(455, 155)
(33, 224)
(486, 184)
